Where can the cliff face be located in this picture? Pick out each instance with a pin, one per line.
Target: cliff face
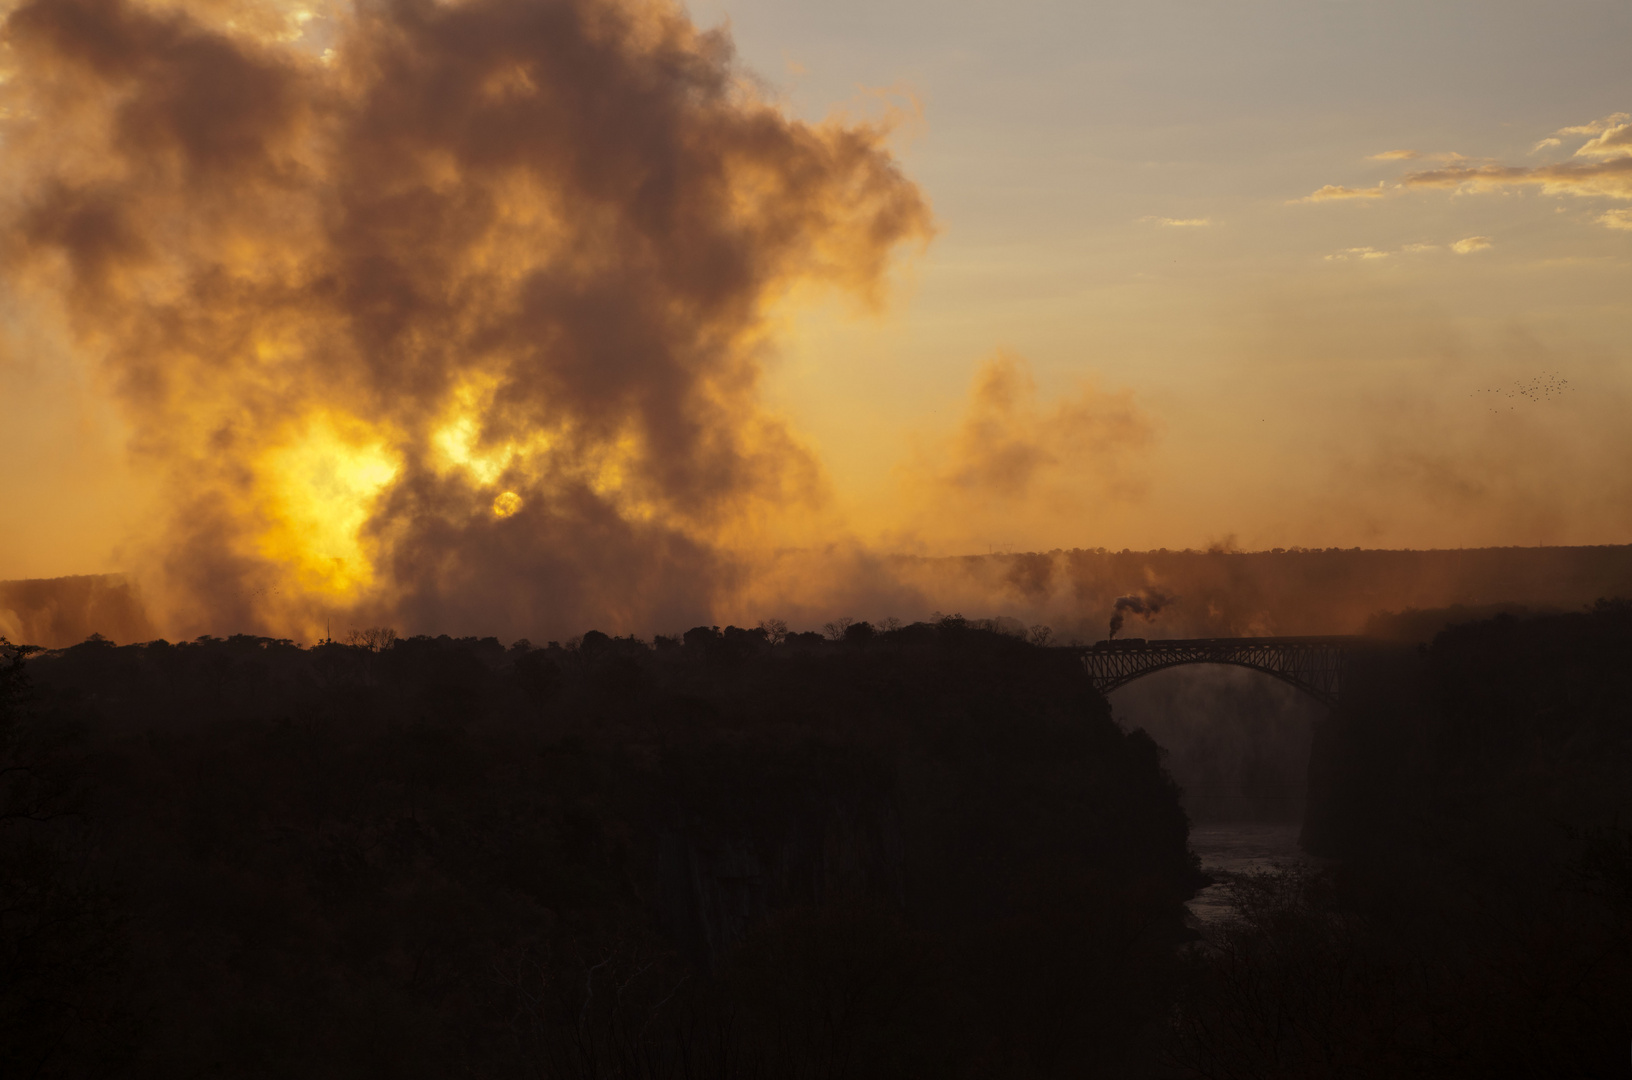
(1507, 732)
(58, 612)
(1368, 756)
(1477, 792)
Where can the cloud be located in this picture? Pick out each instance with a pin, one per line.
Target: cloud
(1338, 191)
(1182, 223)
(1616, 219)
(1615, 142)
(1601, 167)
(1461, 247)
(460, 326)
(1606, 171)
(1596, 127)
(1414, 155)
(1609, 179)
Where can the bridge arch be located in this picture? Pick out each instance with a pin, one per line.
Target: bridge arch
(1315, 665)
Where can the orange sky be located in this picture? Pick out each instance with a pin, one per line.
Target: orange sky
(318, 305)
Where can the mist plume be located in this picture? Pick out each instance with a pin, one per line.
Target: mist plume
(1020, 463)
(1149, 604)
(444, 312)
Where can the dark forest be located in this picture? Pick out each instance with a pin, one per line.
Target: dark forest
(922, 851)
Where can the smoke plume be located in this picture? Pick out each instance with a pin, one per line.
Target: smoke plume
(443, 312)
(1021, 466)
(1148, 603)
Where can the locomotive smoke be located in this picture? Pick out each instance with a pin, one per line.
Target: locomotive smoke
(1148, 604)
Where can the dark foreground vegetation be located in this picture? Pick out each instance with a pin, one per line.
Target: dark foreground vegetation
(1477, 794)
(927, 852)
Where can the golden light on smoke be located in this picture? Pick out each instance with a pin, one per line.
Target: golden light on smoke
(611, 473)
(548, 461)
(461, 321)
(319, 492)
(458, 442)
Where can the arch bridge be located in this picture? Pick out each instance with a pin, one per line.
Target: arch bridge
(1315, 665)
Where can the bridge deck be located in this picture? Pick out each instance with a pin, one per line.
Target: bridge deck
(1315, 665)
(1348, 641)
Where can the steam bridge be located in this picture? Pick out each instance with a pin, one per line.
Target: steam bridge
(1314, 665)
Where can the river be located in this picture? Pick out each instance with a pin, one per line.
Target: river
(1228, 849)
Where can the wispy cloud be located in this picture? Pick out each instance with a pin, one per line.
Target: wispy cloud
(1415, 155)
(1596, 126)
(1607, 179)
(1616, 219)
(1357, 253)
(1461, 247)
(1338, 191)
(1180, 223)
(1614, 142)
(1600, 167)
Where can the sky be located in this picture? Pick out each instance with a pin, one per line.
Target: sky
(1092, 275)
(1116, 188)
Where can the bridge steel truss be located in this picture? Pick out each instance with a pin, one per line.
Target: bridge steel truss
(1315, 665)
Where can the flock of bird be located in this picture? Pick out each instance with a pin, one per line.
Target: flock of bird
(1540, 388)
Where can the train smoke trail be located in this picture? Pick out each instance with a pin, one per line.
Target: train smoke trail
(1149, 604)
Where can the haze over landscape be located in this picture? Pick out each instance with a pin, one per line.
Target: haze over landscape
(765, 540)
(509, 318)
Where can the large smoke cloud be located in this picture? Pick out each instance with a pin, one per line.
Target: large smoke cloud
(446, 312)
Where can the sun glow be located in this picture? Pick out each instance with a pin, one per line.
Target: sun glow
(542, 459)
(319, 492)
(458, 441)
(457, 444)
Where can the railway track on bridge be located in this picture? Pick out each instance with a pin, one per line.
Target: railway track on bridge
(1315, 665)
